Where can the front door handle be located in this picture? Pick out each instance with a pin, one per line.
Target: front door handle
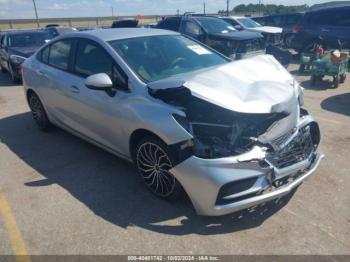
(75, 89)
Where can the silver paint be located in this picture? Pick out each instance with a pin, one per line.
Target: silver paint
(254, 85)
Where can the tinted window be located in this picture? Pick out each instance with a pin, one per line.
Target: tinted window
(170, 24)
(230, 21)
(28, 39)
(92, 59)
(321, 18)
(260, 20)
(158, 57)
(215, 25)
(275, 20)
(45, 55)
(59, 54)
(192, 28)
(249, 23)
(292, 19)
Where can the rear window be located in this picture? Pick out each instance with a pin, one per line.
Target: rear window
(28, 39)
(292, 19)
(59, 54)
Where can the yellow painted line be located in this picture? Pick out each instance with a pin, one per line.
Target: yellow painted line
(17, 243)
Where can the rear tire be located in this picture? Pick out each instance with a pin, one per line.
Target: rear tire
(39, 113)
(154, 159)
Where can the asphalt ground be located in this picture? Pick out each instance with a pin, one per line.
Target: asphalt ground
(61, 195)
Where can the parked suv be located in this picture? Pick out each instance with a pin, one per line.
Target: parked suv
(325, 26)
(273, 36)
(217, 34)
(286, 21)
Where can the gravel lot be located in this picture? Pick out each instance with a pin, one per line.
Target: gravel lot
(69, 197)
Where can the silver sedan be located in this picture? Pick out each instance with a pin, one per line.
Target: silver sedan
(230, 135)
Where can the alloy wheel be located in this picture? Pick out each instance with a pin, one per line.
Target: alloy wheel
(154, 164)
(37, 109)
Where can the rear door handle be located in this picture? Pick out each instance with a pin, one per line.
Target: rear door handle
(75, 89)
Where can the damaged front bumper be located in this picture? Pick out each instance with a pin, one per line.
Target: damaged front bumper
(225, 185)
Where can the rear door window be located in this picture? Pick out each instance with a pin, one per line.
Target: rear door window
(192, 28)
(60, 53)
(292, 19)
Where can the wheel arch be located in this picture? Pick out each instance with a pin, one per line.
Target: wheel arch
(29, 92)
(136, 137)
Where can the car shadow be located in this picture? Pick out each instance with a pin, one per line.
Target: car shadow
(111, 187)
(337, 104)
(319, 85)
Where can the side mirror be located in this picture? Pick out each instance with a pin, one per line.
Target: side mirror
(100, 82)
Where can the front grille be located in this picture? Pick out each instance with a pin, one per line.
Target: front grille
(297, 150)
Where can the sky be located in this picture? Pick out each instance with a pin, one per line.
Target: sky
(15, 9)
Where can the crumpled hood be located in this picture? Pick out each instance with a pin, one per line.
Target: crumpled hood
(254, 85)
(267, 29)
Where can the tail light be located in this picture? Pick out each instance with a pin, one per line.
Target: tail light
(297, 28)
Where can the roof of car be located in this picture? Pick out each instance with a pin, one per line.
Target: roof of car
(237, 17)
(123, 33)
(15, 32)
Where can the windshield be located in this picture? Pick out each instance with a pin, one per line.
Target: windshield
(30, 39)
(158, 57)
(249, 23)
(215, 25)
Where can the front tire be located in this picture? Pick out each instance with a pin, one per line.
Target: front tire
(153, 160)
(39, 113)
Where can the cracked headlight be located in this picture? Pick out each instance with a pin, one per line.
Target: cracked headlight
(16, 59)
